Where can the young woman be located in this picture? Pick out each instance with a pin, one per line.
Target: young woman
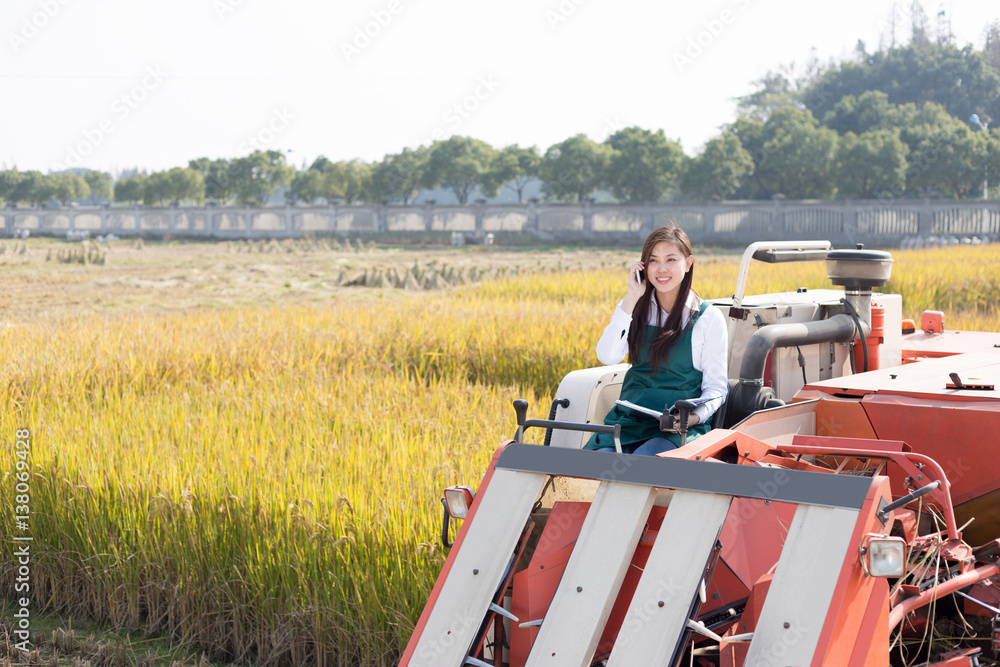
(676, 343)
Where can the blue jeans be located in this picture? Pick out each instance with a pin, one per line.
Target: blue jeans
(651, 447)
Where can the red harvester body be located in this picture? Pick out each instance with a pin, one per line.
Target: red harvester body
(854, 521)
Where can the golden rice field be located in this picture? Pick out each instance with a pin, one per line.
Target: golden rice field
(253, 466)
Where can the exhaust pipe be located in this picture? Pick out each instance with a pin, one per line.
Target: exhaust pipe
(750, 395)
(857, 271)
(838, 329)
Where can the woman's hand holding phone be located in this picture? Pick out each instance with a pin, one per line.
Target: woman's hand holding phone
(636, 287)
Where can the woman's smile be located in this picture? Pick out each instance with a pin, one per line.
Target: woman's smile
(666, 268)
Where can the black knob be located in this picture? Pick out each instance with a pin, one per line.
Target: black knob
(521, 410)
(685, 405)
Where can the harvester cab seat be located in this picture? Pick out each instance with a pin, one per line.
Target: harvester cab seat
(719, 419)
(587, 395)
(744, 400)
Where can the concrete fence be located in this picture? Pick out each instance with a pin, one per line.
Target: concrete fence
(733, 222)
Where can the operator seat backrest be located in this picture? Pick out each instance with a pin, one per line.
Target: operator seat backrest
(719, 419)
(603, 400)
(591, 393)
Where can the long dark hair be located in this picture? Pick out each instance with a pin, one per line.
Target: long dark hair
(672, 328)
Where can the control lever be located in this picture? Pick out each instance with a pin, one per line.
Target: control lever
(675, 418)
(521, 411)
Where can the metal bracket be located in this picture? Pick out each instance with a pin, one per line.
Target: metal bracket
(880, 514)
(956, 383)
(884, 510)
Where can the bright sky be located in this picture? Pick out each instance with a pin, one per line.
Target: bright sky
(114, 84)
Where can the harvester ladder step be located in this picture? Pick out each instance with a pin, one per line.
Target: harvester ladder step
(803, 586)
(582, 603)
(658, 614)
(477, 570)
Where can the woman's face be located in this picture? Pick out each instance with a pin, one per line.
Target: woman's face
(665, 269)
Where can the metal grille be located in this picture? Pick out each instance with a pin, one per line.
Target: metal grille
(617, 221)
(814, 221)
(313, 222)
(743, 220)
(505, 221)
(885, 220)
(271, 221)
(453, 221)
(405, 221)
(966, 220)
(688, 220)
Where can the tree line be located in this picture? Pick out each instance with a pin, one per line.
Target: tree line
(890, 124)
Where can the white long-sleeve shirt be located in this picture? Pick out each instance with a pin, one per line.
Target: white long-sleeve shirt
(709, 349)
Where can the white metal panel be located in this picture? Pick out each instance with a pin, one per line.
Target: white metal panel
(580, 607)
(477, 569)
(580, 387)
(891, 350)
(656, 617)
(779, 426)
(798, 599)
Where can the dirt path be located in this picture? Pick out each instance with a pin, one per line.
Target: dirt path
(51, 276)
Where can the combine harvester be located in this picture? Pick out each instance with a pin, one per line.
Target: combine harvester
(844, 510)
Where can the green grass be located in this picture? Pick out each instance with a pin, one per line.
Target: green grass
(63, 641)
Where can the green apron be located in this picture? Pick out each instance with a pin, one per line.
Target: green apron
(677, 379)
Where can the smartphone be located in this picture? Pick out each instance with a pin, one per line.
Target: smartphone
(640, 276)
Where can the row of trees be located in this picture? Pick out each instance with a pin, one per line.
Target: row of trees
(34, 187)
(249, 180)
(633, 164)
(866, 148)
(885, 151)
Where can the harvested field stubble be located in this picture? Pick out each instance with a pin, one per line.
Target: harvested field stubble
(261, 480)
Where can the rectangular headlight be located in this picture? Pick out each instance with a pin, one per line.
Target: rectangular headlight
(459, 499)
(884, 556)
